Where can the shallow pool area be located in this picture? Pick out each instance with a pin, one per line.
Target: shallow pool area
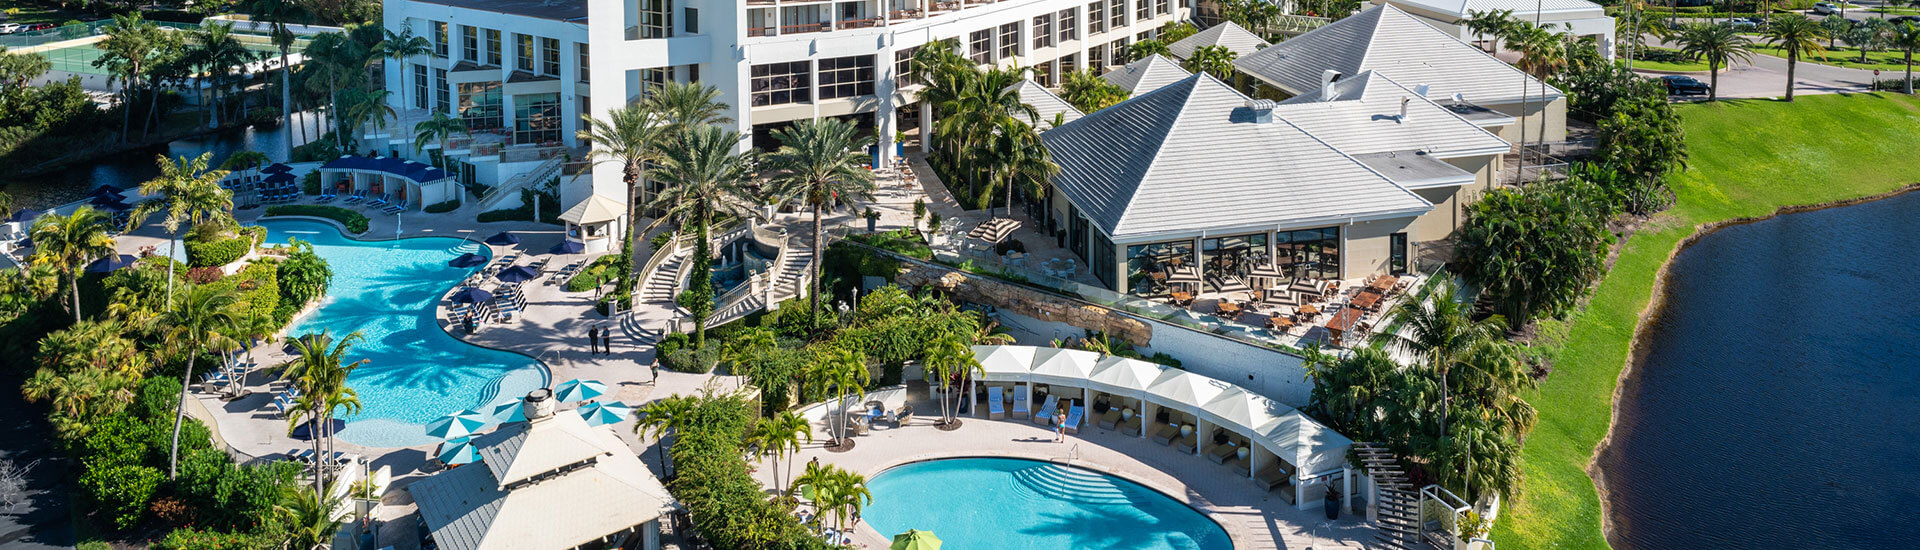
(416, 372)
(1013, 503)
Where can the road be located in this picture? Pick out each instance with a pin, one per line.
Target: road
(1766, 76)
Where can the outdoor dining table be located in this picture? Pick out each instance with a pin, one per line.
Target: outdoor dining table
(1228, 308)
(1364, 299)
(1384, 283)
(1343, 322)
(1309, 309)
(1182, 297)
(1279, 323)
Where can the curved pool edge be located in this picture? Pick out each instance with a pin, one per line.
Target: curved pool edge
(1656, 307)
(546, 372)
(1206, 510)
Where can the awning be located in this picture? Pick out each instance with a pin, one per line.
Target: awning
(1063, 366)
(1005, 363)
(1185, 390)
(1123, 376)
(593, 209)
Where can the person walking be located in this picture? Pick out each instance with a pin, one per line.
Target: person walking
(593, 340)
(606, 339)
(1059, 426)
(656, 371)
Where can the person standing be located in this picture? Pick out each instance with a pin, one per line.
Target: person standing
(656, 371)
(593, 340)
(1059, 426)
(606, 339)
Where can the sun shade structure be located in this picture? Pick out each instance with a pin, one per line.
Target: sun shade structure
(277, 168)
(1123, 376)
(471, 295)
(595, 209)
(516, 274)
(457, 425)
(279, 178)
(580, 390)
(601, 414)
(1227, 35)
(550, 483)
(458, 451)
(1004, 363)
(1185, 390)
(467, 260)
(567, 247)
(1062, 366)
(915, 539)
(503, 238)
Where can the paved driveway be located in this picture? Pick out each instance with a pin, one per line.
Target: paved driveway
(1766, 76)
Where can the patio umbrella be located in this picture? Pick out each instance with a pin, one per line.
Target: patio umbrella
(458, 451)
(108, 202)
(279, 178)
(915, 539)
(567, 247)
(460, 424)
(471, 295)
(504, 238)
(111, 263)
(277, 168)
(507, 411)
(579, 390)
(107, 191)
(467, 260)
(516, 274)
(601, 414)
(25, 215)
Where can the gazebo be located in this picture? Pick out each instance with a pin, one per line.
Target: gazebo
(595, 223)
(404, 183)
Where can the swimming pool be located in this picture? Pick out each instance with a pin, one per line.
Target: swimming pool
(1012, 503)
(416, 372)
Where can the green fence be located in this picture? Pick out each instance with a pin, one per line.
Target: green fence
(79, 59)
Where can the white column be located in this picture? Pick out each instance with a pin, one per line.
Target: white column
(926, 127)
(1346, 487)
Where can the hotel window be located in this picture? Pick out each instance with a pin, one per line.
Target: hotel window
(980, 43)
(1043, 31)
(1117, 52)
(440, 39)
(550, 56)
(523, 52)
(1397, 253)
(480, 105)
(1233, 255)
(1103, 262)
(536, 118)
(846, 77)
(440, 92)
(1069, 29)
(469, 43)
(1308, 253)
(656, 19)
(1043, 74)
(580, 49)
(1066, 66)
(419, 86)
(1010, 40)
(693, 20)
(781, 83)
(1147, 265)
(903, 67)
(1162, 7)
(1095, 23)
(1094, 60)
(652, 80)
(493, 47)
(1117, 12)
(1142, 10)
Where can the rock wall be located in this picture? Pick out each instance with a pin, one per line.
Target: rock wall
(1026, 301)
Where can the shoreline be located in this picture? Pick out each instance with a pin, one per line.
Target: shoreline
(1656, 307)
(57, 164)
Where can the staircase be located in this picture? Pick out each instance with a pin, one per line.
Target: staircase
(1066, 483)
(790, 274)
(531, 178)
(1399, 505)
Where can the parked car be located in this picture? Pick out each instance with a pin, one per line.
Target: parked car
(1915, 19)
(9, 28)
(1742, 23)
(1825, 8)
(38, 27)
(1684, 85)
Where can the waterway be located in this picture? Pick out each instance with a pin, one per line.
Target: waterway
(130, 169)
(1777, 402)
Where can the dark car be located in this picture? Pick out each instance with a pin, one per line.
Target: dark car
(1684, 85)
(1915, 19)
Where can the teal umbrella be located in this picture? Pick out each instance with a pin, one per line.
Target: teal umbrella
(458, 451)
(579, 390)
(601, 414)
(458, 425)
(507, 411)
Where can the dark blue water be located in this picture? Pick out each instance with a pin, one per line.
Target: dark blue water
(1778, 401)
(129, 169)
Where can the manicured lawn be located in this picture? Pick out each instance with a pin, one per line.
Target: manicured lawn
(1848, 57)
(29, 15)
(1662, 59)
(1896, 11)
(1750, 157)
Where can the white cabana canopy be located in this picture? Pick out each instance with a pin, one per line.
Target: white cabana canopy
(1004, 363)
(1243, 411)
(1310, 447)
(1184, 390)
(1124, 377)
(1069, 367)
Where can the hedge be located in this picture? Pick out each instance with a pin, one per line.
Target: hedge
(591, 275)
(310, 184)
(203, 253)
(440, 207)
(356, 222)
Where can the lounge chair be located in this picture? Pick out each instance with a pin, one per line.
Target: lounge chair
(1129, 426)
(1186, 444)
(1164, 434)
(356, 197)
(1220, 453)
(996, 409)
(903, 415)
(1022, 401)
(1110, 420)
(1046, 410)
(1074, 415)
(1271, 477)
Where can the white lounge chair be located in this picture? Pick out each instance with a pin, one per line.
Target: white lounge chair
(1074, 415)
(1046, 410)
(1022, 401)
(996, 408)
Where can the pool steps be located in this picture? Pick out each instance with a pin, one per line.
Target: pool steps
(1053, 481)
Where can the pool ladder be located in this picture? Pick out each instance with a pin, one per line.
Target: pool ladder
(1073, 453)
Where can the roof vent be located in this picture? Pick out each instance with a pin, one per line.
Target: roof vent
(1403, 109)
(1422, 89)
(538, 404)
(1327, 79)
(1262, 110)
(1459, 98)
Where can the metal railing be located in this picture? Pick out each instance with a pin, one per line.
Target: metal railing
(1441, 512)
(803, 28)
(1291, 24)
(545, 171)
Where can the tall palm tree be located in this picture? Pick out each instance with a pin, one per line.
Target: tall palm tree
(276, 13)
(308, 516)
(840, 370)
(68, 243)
(250, 161)
(1088, 92)
(780, 436)
(369, 107)
(704, 178)
(1213, 60)
(1543, 55)
(17, 69)
(817, 479)
(127, 53)
(1906, 38)
(1835, 25)
(1719, 45)
(820, 164)
(198, 323)
(436, 130)
(1798, 35)
(1439, 331)
(215, 51)
(663, 417)
(333, 62)
(688, 104)
(950, 358)
(1482, 24)
(846, 494)
(1021, 161)
(320, 369)
(986, 102)
(189, 194)
(401, 46)
(630, 137)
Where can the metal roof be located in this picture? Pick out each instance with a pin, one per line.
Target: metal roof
(559, 10)
(418, 172)
(1399, 45)
(593, 209)
(1522, 9)
(1194, 157)
(1147, 74)
(1048, 104)
(1416, 169)
(524, 450)
(1226, 34)
(1364, 116)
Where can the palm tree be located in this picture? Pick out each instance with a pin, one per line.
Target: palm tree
(1906, 38)
(216, 52)
(68, 243)
(819, 478)
(780, 436)
(1438, 332)
(1543, 55)
(401, 46)
(127, 53)
(949, 358)
(630, 137)
(820, 163)
(663, 417)
(189, 194)
(1835, 25)
(1797, 35)
(20, 68)
(320, 370)
(1490, 22)
(198, 323)
(1088, 92)
(437, 129)
(308, 516)
(1144, 48)
(840, 370)
(846, 494)
(1213, 60)
(245, 160)
(704, 178)
(1719, 45)
(276, 13)
(365, 106)
(1017, 159)
(333, 63)
(688, 104)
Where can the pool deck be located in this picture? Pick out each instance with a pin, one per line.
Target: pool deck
(1252, 518)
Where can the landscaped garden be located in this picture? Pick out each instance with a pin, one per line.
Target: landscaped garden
(1818, 149)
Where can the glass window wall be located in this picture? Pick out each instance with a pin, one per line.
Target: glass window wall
(1308, 252)
(1147, 266)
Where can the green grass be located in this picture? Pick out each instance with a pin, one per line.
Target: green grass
(1896, 11)
(29, 15)
(1662, 59)
(1848, 57)
(1750, 158)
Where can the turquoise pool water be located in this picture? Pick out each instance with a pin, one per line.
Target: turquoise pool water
(1011, 503)
(416, 372)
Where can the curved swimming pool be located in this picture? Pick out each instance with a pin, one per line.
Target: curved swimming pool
(1013, 503)
(416, 372)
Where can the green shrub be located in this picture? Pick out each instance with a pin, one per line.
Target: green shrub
(355, 222)
(122, 492)
(695, 361)
(189, 538)
(303, 276)
(727, 505)
(310, 183)
(591, 276)
(217, 253)
(671, 343)
(442, 207)
(549, 210)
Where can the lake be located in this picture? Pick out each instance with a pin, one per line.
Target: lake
(1777, 402)
(131, 168)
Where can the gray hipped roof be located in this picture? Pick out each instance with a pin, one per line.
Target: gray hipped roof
(1238, 40)
(1363, 117)
(1046, 103)
(1194, 156)
(1146, 75)
(1399, 45)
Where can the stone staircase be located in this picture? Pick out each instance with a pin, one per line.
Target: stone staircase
(1399, 505)
(790, 273)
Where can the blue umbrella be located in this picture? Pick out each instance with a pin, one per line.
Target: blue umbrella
(107, 191)
(25, 215)
(567, 247)
(460, 424)
(516, 274)
(504, 238)
(471, 295)
(108, 202)
(458, 451)
(579, 390)
(111, 263)
(508, 411)
(601, 414)
(279, 178)
(468, 260)
(277, 168)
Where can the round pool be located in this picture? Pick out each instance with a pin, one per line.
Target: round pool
(415, 372)
(1012, 503)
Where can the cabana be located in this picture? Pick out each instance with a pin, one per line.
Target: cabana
(1173, 402)
(1057, 367)
(1125, 380)
(1304, 452)
(594, 222)
(1237, 414)
(405, 183)
(1005, 366)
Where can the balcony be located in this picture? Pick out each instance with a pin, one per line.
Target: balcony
(859, 23)
(760, 2)
(805, 28)
(760, 31)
